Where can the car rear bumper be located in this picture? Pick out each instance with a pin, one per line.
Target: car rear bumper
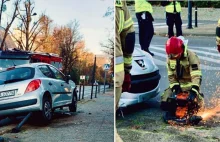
(128, 98)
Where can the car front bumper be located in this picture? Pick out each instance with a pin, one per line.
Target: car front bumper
(128, 98)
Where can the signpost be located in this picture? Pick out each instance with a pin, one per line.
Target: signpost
(106, 67)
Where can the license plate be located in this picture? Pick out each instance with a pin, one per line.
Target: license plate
(7, 93)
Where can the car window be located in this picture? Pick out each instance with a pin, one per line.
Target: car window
(16, 74)
(46, 71)
(57, 73)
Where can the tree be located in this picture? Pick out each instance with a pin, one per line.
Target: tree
(66, 38)
(29, 29)
(6, 29)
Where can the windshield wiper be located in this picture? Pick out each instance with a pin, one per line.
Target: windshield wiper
(12, 80)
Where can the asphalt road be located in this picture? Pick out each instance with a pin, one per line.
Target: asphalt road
(93, 121)
(144, 122)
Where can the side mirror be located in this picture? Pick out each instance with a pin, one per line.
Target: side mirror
(68, 77)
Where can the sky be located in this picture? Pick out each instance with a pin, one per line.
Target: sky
(89, 13)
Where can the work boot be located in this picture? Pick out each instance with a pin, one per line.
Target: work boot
(152, 54)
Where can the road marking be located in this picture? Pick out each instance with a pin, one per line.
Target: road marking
(163, 63)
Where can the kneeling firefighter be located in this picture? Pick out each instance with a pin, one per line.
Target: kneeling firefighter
(184, 72)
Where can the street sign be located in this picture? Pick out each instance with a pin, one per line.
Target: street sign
(82, 77)
(106, 67)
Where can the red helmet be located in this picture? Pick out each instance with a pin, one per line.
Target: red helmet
(174, 47)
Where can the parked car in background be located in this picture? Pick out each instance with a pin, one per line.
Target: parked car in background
(35, 87)
(145, 79)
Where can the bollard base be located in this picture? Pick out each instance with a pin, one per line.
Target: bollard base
(15, 130)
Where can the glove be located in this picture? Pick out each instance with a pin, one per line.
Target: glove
(192, 95)
(218, 47)
(176, 89)
(127, 83)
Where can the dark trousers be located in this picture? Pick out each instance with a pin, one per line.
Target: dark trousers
(146, 29)
(172, 19)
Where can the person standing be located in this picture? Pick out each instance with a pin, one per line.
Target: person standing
(144, 10)
(124, 47)
(173, 16)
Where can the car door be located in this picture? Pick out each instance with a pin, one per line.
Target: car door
(64, 86)
(51, 85)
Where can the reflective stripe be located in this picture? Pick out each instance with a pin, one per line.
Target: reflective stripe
(128, 60)
(119, 68)
(195, 91)
(170, 72)
(186, 85)
(195, 84)
(128, 23)
(119, 60)
(192, 73)
(173, 84)
(121, 23)
(172, 64)
(185, 50)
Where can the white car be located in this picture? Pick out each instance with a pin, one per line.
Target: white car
(36, 87)
(145, 79)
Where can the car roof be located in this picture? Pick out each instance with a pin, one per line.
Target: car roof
(31, 65)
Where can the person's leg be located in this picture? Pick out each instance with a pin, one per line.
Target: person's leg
(170, 24)
(141, 29)
(164, 104)
(149, 35)
(178, 24)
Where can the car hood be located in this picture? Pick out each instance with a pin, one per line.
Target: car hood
(142, 62)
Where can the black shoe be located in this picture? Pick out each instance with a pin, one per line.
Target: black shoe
(152, 54)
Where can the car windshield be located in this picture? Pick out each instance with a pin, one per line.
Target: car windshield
(16, 74)
(7, 63)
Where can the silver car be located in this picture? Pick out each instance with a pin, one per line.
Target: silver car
(145, 79)
(37, 87)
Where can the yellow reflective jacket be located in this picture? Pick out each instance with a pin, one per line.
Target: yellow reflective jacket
(191, 71)
(170, 7)
(143, 5)
(218, 33)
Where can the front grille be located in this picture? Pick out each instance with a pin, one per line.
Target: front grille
(144, 83)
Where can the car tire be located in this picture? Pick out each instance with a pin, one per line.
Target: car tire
(47, 112)
(73, 105)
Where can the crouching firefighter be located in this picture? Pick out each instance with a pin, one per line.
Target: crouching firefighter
(184, 75)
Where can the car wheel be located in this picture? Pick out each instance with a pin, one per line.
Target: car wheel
(73, 105)
(47, 112)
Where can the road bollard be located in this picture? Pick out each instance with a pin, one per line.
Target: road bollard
(96, 87)
(79, 92)
(196, 24)
(18, 127)
(83, 91)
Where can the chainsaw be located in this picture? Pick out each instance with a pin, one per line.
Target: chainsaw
(182, 110)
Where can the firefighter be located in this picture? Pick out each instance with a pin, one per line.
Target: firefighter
(124, 47)
(184, 72)
(218, 36)
(144, 12)
(173, 9)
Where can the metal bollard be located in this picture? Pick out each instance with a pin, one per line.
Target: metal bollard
(79, 92)
(18, 127)
(96, 87)
(196, 24)
(99, 88)
(91, 92)
(83, 91)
